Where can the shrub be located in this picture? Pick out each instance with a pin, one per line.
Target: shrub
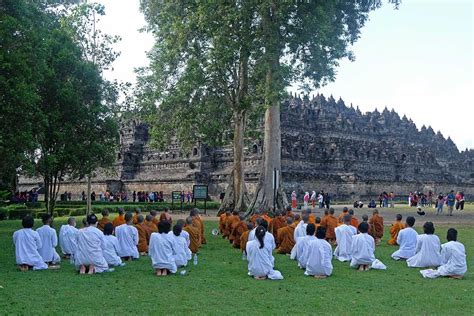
(78, 212)
(63, 211)
(20, 213)
(3, 213)
(33, 204)
(40, 214)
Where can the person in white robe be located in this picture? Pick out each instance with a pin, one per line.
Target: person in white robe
(111, 246)
(184, 234)
(161, 250)
(319, 259)
(27, 242)
(303, 245)
(181, 253)
(344, 235)
(89, 255)
(260, 257)
(49, 241)
(306, 200)
(127, 236)
(428, 249)
(362, 250)
(300, 232)
(406, 238)
(67, 237)
(453, 256)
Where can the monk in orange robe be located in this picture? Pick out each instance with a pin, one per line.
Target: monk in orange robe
(267, 218)
(135, 217)
(244, 238)
(143, 235)
(231, 223)
(165, 216)
(194, 235)
(317, 222)
(289, 213)
(396, 227)
(104, 220)
(286, 237)
(237, 232)
(150, 225)
(330, 222)
(345, 211)
(278, 222)
(354, 220)
(376, 225)
(199, 223)
(254, 217)
(155, 220)
(222, 221)
(120, 219)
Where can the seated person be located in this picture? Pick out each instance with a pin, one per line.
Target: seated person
(303, 245)
(67, 237)
(49, 241)
(428, 249)
(27, 243)
(260, 258)
(161, 250)
(110, 247)
(127, 236)
(363, 248)
(344, 235)
(372, 204)
(406, 238)
(319, 256)
(396, 227)
(181, 250)
(453, 256)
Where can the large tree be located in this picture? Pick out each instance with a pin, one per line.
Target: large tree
(201, 78)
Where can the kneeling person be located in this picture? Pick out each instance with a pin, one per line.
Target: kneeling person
(161, 250)
(27, 242)
(111, 247)
(319, 256)
(49, 242)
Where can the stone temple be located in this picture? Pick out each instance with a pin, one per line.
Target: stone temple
(326, 145)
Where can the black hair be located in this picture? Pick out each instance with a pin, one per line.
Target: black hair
(177, 229)
(128, 216)
(428, 228)
(164, 227)
(264, 224)
(260, 235)
(452, 235)
(364, 227)
(28, 221)
(410, 221)
(46, 217)
(310, 229)
(321, 232)
(91, 219)
(399, 217)
(108, 229)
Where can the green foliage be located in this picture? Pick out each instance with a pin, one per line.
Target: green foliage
(3, 213)
(78, 212)
(20, 213)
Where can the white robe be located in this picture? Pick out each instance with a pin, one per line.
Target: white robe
(90, 242)
(49, 241)
(127, 236)
(181, 251)
(161, 250)
(27, 242)
(362, 250)
(67, 239)
(302, 250)
(407, 238)
(319, 258)
(183, 234)
(428, 252)
(260, 261)
(344, 235)
(110, 251)
(300, 232)
(453, 255)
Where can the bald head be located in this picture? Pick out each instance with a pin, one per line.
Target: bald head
(297, 217)
(189, 220)
(129, 217)
(351, 212)
(346, 219)
(331, 211)
(149, 218)
(289, 220)
(140, 219)
(345, 209)
(71, 221)
(181, 222)
(305, 218)
(375, 212)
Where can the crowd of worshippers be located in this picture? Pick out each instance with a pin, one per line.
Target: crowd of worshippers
(309, 240)
(101, 245)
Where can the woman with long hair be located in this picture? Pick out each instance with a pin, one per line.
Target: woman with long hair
(260, 258)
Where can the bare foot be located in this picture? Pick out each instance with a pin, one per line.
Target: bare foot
(260, 278)
(23, 267)
(82, 269)
(91, 269)
(54, 267)
(165, 272)
(158, 272)
(361, 268)
(320, 277)
(455, 276)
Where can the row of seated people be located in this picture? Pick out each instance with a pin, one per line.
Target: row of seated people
(102, 244)
(309, 241)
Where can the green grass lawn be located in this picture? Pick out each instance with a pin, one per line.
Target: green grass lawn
(219, 284)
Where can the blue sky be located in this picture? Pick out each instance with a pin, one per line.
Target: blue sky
(418, 60)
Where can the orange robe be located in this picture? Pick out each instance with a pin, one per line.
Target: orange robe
(341, 216)
(286, 239)
(197, 221)
(244, 238)
(267, 218)
(277, 223)
(253, 219)
(237, 232)
(155, 221)
(376, 225)
(394, 230)
(312, 219)
(194, 237)
(151, 227)
(166, 217)
(290, 214)
(355, 222)
(330, 222)
(143, 237)
(135, 219)
(231, 223)
(226, 226)
(104, 220)
(119, 220)
(222, 220)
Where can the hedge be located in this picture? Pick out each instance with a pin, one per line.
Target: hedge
(3, 213)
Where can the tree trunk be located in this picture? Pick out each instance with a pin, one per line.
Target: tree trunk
(46, 193)
(236, 197)
(89, 189)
